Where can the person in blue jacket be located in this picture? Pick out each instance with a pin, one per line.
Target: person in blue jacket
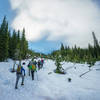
(20, 72)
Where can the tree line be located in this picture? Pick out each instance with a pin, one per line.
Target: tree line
(12, 44)
(77, 54)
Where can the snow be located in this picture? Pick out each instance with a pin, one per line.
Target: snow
(49, 85)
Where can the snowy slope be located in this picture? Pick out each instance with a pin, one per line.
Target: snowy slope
(49, 85)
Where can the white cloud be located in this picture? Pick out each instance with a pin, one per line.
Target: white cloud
(71, 21)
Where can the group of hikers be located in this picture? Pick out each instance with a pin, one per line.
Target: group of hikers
(33, 66)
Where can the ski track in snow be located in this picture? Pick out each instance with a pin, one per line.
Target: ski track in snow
(51, 86)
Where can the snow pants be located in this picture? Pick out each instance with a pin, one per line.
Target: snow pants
(17, 79)
(39, 67)
(29, 71)
(32, 73)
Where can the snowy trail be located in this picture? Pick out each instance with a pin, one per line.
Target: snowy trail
(51, 86)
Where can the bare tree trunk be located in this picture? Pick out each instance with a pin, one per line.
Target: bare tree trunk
(13, 70)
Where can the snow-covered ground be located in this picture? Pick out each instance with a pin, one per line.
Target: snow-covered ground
(49, 85)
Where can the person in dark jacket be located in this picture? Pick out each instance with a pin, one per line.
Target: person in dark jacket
(39, 64)
(30, 64)
(42, 62)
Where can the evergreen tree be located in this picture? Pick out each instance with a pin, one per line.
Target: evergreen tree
(24, 45)
(9, 44)
(74, 54)
(58, 64)
(4, 40)
(62, 49)
(13, 44)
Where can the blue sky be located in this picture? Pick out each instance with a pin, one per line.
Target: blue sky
(49, 23)
(5, 9)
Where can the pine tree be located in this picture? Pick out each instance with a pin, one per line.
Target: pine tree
(13, 44)
(4, 40)
(62, 49)
(9, 44)
(24, 45)
(18, 40)
(58, 64)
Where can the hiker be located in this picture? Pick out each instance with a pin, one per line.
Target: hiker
(42, 62)
(34, 62)
(39, 64)
(30, 64)
(33, 69)
(20, 72)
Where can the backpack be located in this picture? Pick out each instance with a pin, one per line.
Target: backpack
(19, 69)
(32, 67)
